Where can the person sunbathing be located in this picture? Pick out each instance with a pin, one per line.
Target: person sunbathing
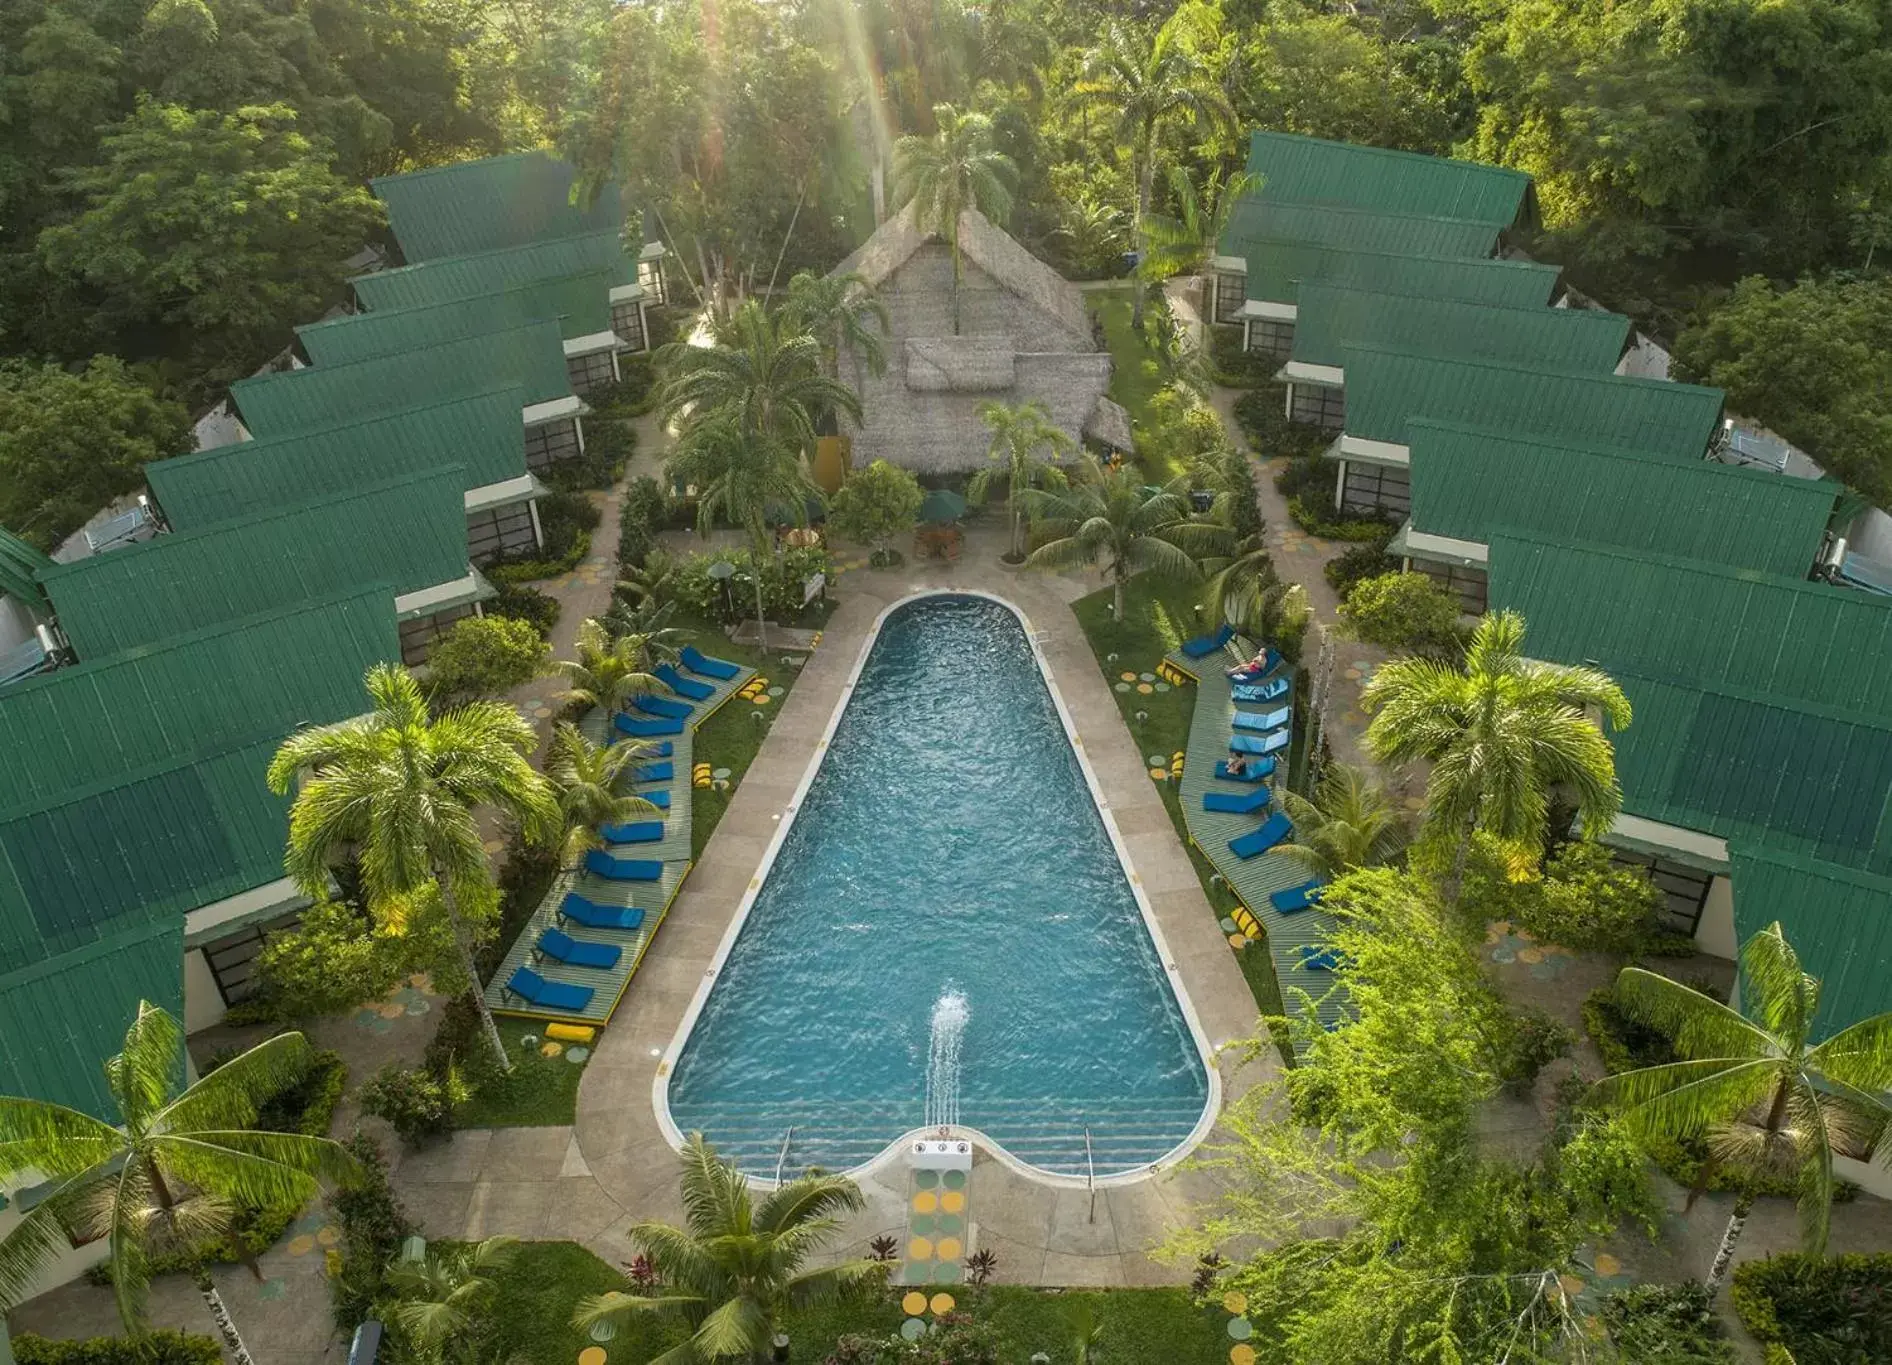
(1238, 766)
(1254, 668)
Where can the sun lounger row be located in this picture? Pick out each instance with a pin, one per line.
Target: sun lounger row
(591, 915)
(1260, 770)
(562, 947)
(1296, 898)
(698, 662)
(1258, 841)
(1204, 645)
(645, 727)
(613, 869)
(1272, 690)
(1263, 721)
(1251, 802)
(682, 686)
(633, 832)
(1260, 745)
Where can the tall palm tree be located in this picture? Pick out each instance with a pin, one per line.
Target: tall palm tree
(1154, 81)
(586, 778)
(169, 1174)
(954, 170)
(1108, 519)
(836, 310)
(1500, 733)
(1020, 432)
(446, 1294)
(1766, 1101)
(1243, 587)
(734, 1266)
(763, 372)
(608, 672)
(1182, 243)
(397, 788)
(1349, 823)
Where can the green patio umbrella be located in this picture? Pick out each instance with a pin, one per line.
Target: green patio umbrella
(942, 505)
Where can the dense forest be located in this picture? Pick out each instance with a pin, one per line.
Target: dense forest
(183, 180)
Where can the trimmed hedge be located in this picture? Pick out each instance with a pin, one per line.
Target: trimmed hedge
(161, 1346)
(1834, 1310)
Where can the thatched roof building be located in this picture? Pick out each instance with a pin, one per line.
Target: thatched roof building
(1024, 337)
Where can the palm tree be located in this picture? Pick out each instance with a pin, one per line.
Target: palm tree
(396, 789)
(954, 170)
(608, 672)
(1748, 1081)
(764, 373)
(734, 1266)
(1153, 80)
(1182, 244)
(1093, 233)
(1243, 587)
(1019, 433)
(169, 1174)
(1107, 518)
(446, 1294)
(1500, 733)
(586, 778)
(835, 310)
(1349, 823)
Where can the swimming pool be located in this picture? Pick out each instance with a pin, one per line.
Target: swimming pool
(947, 859)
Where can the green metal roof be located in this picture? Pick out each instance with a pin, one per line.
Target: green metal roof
(579, 304)
(408, 533)
(80, 725)
(1308, 168)
(1807, 779)
(20, 565)
(1652, 613)
(457, 277)
(1277, 266)
(1386, 388)
(61, 1018)
(1469, 482)
(482, 433)
(1336, 225)
(1331, 315)
(532, 357)
(497, 202)
(1838, 920)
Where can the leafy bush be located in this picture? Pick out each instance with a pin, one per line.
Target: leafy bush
(1535, 1041)
(566, 521)
(876, 504)
(1622, 1042)
(524, 603)
(373, 1226)
(1590, 902)
(640, 514)
(1821, 1310)
(1667, 1322)
(782, 577)
(608, 445)
(1234, 367)
(414, 1100)
(1403, 611)
(1316, 514)
(1368, 560)
(482, 656)
(956, 1339)
(331, 961)
(1261, 414)
(1304, 474)
(159, 1346)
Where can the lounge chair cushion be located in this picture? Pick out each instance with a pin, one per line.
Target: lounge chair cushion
(663, 706)
(633, 832)
(1266, 744)
(638, 727)
(661, 800)
(1264, 720)
(1271, 690)
(682, 686)
(1258, 770)
(1272, 831)
(1250, 802)
(562, 947)
(1208, 644)
(1316, 958)
(698, 662)
(556, 995)
(654, 772)
(595, 916)
(601, 864)
(1269, 663)
(1296, 898)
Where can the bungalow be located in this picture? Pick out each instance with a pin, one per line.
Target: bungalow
(578, 304)
(1468, 482)
(1311, 169)
(1386, 389)
(408, 534)
(498, 201)
(1331, 316)
(531, 356)
(481, 433)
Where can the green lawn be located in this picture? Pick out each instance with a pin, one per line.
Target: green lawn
(532, 1318)
(538, 1092)
(1136, 373)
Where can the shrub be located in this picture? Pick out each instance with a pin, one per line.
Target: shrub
(1535, 1041)
(566, 521)
(1304, 474)
(1592, 903)
(608, 445)
(1820, 1310)
(1368, 560)
(876, 504)
(524, 603)
(415, 1101)
(1622, 1042)
(1261, 414)
(956, 1339)
(1234, 367)
(373, 1225)
(640, 514)
(782, 577)
(1404, 611)
(331, 961)
(1667, 1322)
(159, 1346)
(483, 656)
(1316, 514)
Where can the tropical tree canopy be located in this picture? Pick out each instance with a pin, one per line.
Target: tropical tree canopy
(1109, 519)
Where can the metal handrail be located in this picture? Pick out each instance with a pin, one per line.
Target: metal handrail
(781, 1157)
(1090, 1172)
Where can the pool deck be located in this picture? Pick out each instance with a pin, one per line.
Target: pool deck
(1041, 1233)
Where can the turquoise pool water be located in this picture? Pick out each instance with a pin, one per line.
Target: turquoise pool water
(948, 844)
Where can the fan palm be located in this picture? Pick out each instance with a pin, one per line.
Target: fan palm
(836, 310)
(586, 778)
(734, 1266)
(1110, 520)
(397, 788)
(1500, 733)
(763, 372)
(1767, 1102)
(608, 672)
(1019, 433)
(1349, 823)
(171, 1171)
(1093, 234)
(1182, 244)
(1154, 81)
(446, 1295)
(954, 170)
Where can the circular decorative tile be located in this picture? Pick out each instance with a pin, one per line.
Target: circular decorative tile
(1146, 688)
(777, 691)
(1504, 955)
(1240, 1329)
(272, 1289)
(765, 699)
(953, 1201)
(913, 1329)
(913, 1303)
(1128, 677)
(720, 774)
(925, 1202)
(1238, 941)
(494, 845)
(920, 1249)
(550, 1049)
(946, 1272)
(1228, 924)
(925, 1180)
(328, 1237)
(1146, 677)
(1162, 687)
(1123, 687)
(577, 1054)
(1571, 1285)
(923, 1225)
(1160, 774)
(413, 1009)
(1531, 955)
(955, 1180)
(1607, 1264)
(941, 1305)
(1235, 1301)
(1157, 760)
(591, 1355)
(300, 1246)
(1241, 1353)
(950, 1225)
(390, 1010)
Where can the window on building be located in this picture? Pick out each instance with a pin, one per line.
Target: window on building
(588, 372)
(1271, 338)
(502, 530)
(419, 635)
(1320, 406)
(627, 320)
(232, 959)
(1468, 583)
(1684, 889)
(549, 441)
(1231, 292)
(1376, 488)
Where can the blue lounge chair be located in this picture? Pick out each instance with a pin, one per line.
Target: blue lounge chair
(601, 864)
(592, 915)
(1261, 745)
(1258, 771)
(698, 662)
(1273, 830)
(654, 772)
(1270, 661)
(1318, 959)
(1207, 644)
(1272, 690)
(562, 947)
(634, 832)
(663, 706)
(640, 727)
(1264, 720)
(1251, 802)
(682, 686)
(1296, 898)
(529, 986)
(661, 800)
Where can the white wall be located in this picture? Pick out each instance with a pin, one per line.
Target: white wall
(203, 1002)
(1715, 934)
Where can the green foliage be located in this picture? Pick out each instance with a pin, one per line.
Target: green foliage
(1667, 1322)
(333, 960)
(71, 442)
(566, 520)
(524, 603)
(373, 1225)
(1316, 514)
(483, 656)
(1533, 1041)
(1822, 1311)
(640, 516)
(161, 1346)
(1592, 903)
(955, 1339)
(417, 1103)
(876, 504)
(696, 592)
(1408, 612)
(1356, 565)
(608, 444)
(1261, 414)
